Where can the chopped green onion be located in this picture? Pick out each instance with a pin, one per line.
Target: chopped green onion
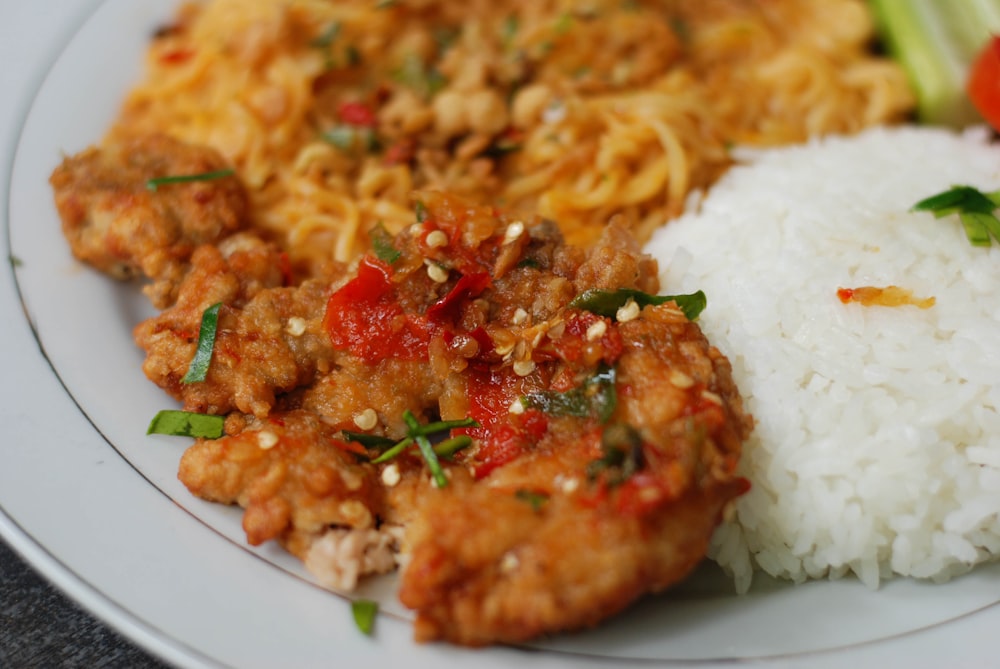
(382, 244)
(364, 611)
(426, 450)
(597, 397)
(442, 425)
(608, 302)
(449, 447)
(155, 183)
(389, 454)
(186, 424)
(198, 369)
(368, 440)
(419, 433)
(536, 499)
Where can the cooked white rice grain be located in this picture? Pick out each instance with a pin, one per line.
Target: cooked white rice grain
(877, 442)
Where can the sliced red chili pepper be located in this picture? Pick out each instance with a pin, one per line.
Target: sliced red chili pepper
(469, 286)
(365, 318)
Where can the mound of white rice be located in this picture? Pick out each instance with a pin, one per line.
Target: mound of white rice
(877, 442)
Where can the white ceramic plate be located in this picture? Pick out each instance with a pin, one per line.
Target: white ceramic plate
(96, 505)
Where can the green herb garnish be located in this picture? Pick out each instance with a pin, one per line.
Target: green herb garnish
(368, 440)
(347, 137)
(186, 424)
(974, 208)
(364, 611)
(155, 183)
(426, 450)
(327, 37)
(423, 79)
(382, 244)
(420, 210)
(419, 434)
(597, 397)
(536, 499)
(621, 445)
(608, 302)
(198, 369)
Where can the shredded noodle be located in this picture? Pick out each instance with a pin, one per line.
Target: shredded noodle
(334, 111)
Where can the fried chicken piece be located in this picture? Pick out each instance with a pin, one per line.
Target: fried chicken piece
(114, 221)
(294, 476)
(269, 338)
(591, 515)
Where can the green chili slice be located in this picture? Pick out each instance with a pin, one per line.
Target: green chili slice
(608, 302)
(186, 424)
(198, 369)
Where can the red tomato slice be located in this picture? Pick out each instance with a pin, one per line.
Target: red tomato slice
(984, 82)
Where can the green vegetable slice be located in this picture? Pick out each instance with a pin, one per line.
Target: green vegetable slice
(364, 612)
(607, 302)
(198, 369)
(597, 397)
(154, 183)
(186, 424)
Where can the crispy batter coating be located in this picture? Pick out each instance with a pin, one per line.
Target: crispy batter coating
(292, 475)
(597, 447)
(269, 338)
(116, 223)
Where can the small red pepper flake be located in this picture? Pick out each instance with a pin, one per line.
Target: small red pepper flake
(468, 287)
(357, 113)
(176, 56)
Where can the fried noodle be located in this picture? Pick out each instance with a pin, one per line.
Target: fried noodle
(334, 111)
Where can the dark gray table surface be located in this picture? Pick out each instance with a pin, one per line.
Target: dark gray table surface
(40, 627)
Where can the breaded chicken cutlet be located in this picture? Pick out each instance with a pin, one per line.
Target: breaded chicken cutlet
(526, 427)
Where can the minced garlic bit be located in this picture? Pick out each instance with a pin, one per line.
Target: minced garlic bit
(436, 239)
(509, 563)
(437, 273)
(679, 379)
(519, 316)
(596, 330)
(711, 397)
(296, 326)
(390, 475)
(628, 311)
(524, 367)
(569, 485)
(366, 420)
(516, 407)
(267, 440)
(513, 232)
